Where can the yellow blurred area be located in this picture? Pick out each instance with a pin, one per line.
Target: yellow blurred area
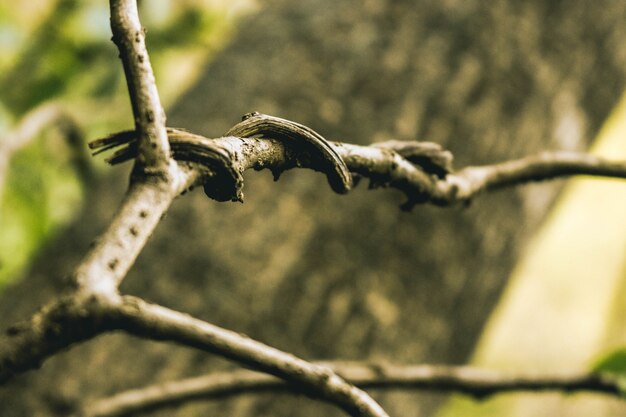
(17, 19)
(563, 307)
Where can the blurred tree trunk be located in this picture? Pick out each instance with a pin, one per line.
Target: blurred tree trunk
(350, 277)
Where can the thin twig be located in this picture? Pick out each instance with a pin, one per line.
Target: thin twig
(475, 382)
(46, 115)
(129, 36)
(541, 167)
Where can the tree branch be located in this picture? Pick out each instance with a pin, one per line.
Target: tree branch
(69, 320)
(95, 306)
(155, 322)
(422, 171)
(129, 36)
(545, 166)
(419, 169)
(81, 316)
(110, 257)
(478, 383)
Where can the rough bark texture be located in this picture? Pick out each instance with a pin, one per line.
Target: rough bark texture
(347, 277)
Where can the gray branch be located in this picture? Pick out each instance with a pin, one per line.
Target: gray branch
(80, 314)
(475, 382)
(155, 322)
(80, 317)
(111, 255)
(25, 345)
(129, 36)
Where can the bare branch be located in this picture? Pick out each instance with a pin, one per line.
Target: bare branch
(155, 322)
(421, 170)
(41, 117)
(57, 326)
(157, 180)
(106, 265)
(115, 251)
(129, 36)
(85, 314)
(545, 166)
(79, 316)
(476, 382)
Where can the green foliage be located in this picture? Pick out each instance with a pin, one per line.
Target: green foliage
(58, 57)
(614, 364)
(60, 50)
(40, 194)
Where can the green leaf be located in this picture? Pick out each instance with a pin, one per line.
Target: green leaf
(613, 363)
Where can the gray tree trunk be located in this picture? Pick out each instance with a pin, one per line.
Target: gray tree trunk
(350, 277)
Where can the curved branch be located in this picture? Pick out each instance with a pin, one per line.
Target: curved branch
(82, 316)
(78, 316)
(67, 321)
(478, 383)
(155, 322)
(129, 36)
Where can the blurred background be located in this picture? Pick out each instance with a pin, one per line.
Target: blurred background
(529, 279)
(60, 52)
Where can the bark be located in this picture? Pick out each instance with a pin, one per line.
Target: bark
(346, 277)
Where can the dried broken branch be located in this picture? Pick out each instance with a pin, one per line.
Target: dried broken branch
(475, 382)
